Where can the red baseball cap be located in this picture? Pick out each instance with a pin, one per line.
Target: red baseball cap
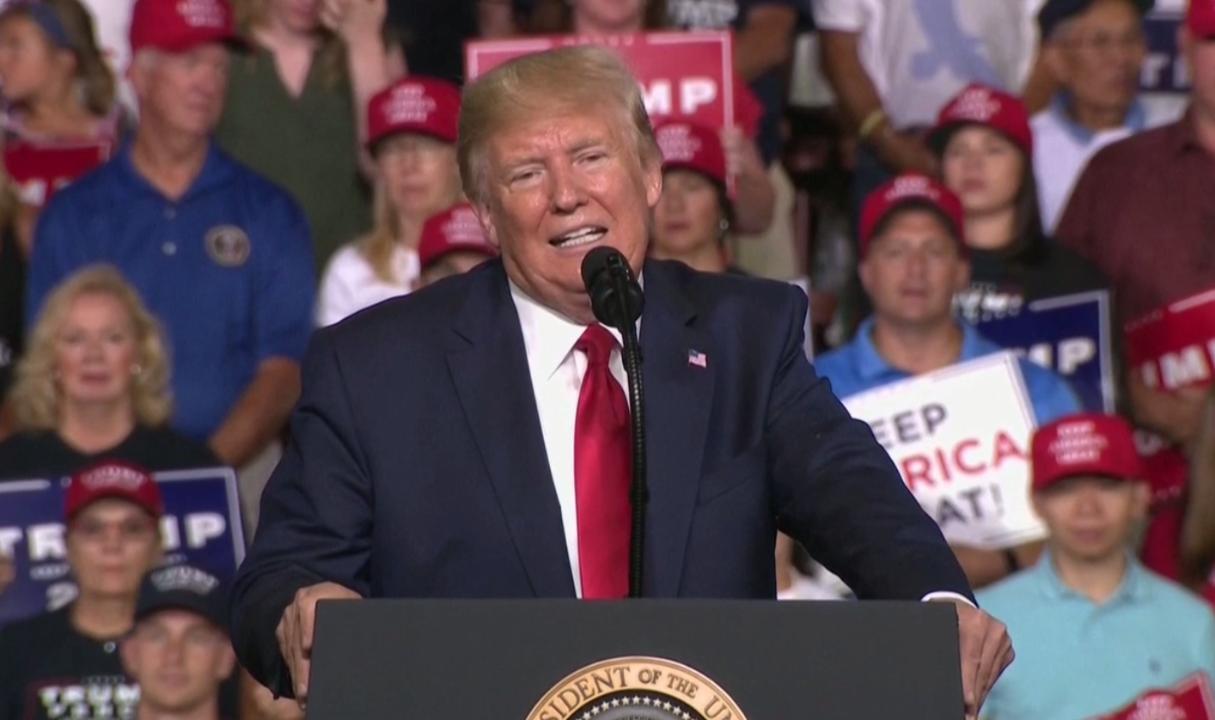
(456, 229)
(986, 106)
(113, 479)
(1084, 444)
(689, 146)
(1200, 18)
(179, 25)
(415, 104)
(914, 189)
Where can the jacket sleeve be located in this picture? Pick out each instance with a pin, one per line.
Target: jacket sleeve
(315, 519)
(838, 492)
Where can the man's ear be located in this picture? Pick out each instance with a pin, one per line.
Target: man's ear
(1141, 498)
(652, 170)
(1052, 57)
(962, 274)
(865, 273)
(481, 208)
(129, 655)
(226, 664)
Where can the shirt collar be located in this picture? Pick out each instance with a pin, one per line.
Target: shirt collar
(1133, 587)
(1136, 118)
(217, 169)
(548, 336)
(870, 364)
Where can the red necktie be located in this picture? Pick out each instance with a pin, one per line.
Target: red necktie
(602, 472)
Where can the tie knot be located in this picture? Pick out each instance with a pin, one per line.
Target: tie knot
(597, 343)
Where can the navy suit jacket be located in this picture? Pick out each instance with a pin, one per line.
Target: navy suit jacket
(417, 468)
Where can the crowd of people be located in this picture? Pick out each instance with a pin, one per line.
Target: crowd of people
(185, 202)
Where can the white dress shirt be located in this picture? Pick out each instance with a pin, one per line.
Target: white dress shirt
(556, 370)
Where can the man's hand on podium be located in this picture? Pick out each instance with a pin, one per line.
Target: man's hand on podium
(294, 630)
(985, 650)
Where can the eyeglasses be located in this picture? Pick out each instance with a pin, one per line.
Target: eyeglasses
(1101, 43)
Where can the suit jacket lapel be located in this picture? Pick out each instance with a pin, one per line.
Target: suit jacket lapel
(489, 366)
(679, 394)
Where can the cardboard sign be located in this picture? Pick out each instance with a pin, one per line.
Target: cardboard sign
(40, 171)
(1174, 347)
(201, 527)
(960, 439)
(1070, 335)
(1188, 700)
(688, 75)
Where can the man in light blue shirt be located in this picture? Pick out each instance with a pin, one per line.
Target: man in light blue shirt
(913, 262)
(1094, 629)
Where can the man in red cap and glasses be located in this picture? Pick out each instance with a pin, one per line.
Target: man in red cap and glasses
(65, 663)
(1094, 628)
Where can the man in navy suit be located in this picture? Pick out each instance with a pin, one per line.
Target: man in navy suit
(466, 441)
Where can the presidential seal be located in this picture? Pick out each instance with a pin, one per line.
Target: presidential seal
(227, 245)
(636, 688)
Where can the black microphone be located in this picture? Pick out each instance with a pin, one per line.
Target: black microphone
(616, 298)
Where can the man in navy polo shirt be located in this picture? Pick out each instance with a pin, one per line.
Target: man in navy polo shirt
(220, 255)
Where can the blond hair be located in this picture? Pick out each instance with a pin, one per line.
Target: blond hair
(377, 244)
(582, 79)
(36, 398)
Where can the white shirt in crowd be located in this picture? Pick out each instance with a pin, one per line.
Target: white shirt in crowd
(920, 53)
(556, 370)
(1062, 149)
(350, 284)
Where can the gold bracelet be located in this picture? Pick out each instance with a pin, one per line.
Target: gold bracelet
(871, 122)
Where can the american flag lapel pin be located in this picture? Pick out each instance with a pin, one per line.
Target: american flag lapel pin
(698, 359)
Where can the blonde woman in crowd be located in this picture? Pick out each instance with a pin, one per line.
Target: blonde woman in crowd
(94, 383)
(411, 133)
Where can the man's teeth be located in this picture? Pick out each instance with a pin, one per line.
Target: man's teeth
(585, 236)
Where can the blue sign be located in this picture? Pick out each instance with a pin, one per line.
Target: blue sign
(201, 527)
(1069, 334)
(1164, 69)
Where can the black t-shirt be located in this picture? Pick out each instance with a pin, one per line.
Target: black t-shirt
(1002, 282)
(12, 296)
(44, 454)
(48, 669)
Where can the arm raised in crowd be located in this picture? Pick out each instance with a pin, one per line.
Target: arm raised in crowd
(372, 63)
(765, 41)
(858, 98)
(755, 198)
